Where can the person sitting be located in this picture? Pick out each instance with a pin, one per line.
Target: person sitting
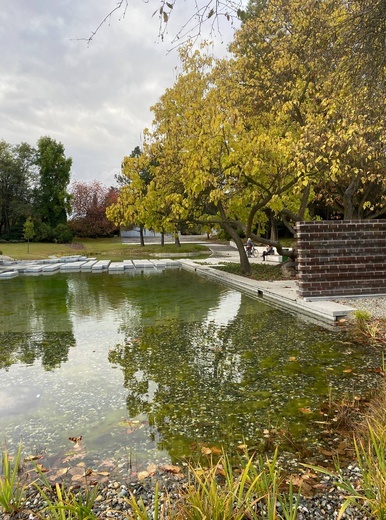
(269, 250)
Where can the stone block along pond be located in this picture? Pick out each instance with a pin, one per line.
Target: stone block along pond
(125, 370)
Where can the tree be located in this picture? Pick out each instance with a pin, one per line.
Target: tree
(29, 231)
(16, 181)
(215, 164)
(88, 203)
(296, 54)
(242, 140)
(363, 39)
(52, 202)
(134, 179)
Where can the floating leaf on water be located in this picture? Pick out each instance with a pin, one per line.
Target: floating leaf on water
(76, 471)
(103, 473)
(76, 439)
(77, 478)
(29, 458)
(41, 468)
(60, 472)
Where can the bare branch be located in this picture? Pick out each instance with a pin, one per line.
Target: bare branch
(205, 11)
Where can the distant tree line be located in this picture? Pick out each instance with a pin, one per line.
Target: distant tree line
(36, 202)
(33, 183)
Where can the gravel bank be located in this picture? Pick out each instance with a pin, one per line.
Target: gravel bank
(376, 306)
(111, 502)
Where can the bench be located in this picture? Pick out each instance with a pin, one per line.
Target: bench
(274, 258)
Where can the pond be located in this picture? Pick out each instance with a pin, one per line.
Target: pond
(161, 367)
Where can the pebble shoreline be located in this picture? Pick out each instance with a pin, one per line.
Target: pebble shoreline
(376, 306)
(112, 503)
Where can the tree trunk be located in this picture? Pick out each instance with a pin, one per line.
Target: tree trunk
(274, 231)
(162, 238)
(177, 239)
(141, 235)
(245, 266)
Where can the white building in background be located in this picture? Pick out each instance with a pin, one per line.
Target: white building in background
(134, 233)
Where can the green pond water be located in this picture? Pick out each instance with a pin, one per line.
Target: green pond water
(157, 365)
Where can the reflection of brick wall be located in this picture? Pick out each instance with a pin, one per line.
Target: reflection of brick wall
(341, 258)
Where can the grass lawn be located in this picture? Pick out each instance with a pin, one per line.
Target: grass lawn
(101, 248)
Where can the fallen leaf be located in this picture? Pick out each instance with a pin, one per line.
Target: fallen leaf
(151, 469)
(292, 358)
(60, 472)
(305, 410)
(32, 457)
(205, 450)
(76, 439)
(142, 475)
(171, 468)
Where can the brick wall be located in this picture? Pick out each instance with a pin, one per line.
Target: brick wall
(341, 258)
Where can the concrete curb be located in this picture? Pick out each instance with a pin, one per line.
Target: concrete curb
(281, 294)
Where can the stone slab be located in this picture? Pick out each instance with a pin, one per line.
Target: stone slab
(71, 266)
(9, 274)
(100, 265)
(51, 267)
(143, 264)
(116, 266)
(87, 266)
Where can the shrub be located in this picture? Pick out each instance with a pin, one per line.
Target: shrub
(62, 234)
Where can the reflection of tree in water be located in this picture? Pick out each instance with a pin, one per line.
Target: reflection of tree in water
(35, 321)
(200, 382)
(186, 377)
(25, 348)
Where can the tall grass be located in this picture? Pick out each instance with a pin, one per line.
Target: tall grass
(367, 491)
(220, 492)
(12, 486)
(64, 503)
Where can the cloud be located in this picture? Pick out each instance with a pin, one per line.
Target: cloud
(93, 98)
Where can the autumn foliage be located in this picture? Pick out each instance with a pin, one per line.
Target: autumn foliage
(89, 203)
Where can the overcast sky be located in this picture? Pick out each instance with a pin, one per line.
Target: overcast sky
(94, 98)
